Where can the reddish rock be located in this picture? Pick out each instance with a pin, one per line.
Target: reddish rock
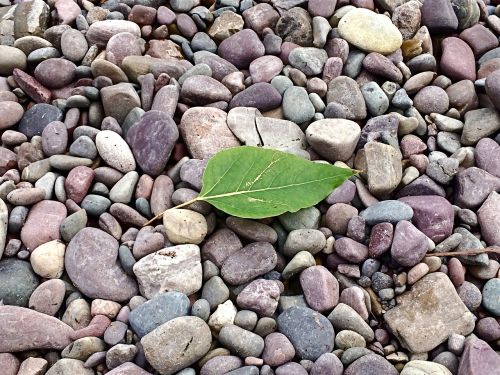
(321, 288)
(24, 329)
(32, 87)
(42, 224)
(260, 296)
(457, 61)
(78, 182)
(478, 358)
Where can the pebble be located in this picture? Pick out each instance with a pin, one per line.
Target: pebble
(320, 287)
(115, 151)
(387, 211)
(310, 332)
(160, 309)
(409, 245)
(260, 296)
(240, 341)
(177, 344)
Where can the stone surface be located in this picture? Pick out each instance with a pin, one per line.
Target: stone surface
(177, 344)
(429, 314)
(17, 282)
(187, 279)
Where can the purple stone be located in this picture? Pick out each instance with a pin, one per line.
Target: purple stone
(152, 139)
(409, 245)
(380, 239)
(478, 359)
(242, 48)
(351, 250)
(262, 96)
(473, 186)
(432, 215)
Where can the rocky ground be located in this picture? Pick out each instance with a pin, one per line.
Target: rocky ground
(109, 111)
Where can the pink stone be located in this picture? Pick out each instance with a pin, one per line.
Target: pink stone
(321, 288)
(78, 182)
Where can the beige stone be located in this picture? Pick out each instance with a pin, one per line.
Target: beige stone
(185, 226)
(418, 367)
(223, 315)
(428, 314)
(383, 163)
(370, 31)
(47, 260)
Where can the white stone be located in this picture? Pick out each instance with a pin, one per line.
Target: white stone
(185, 226)
(115, 151)
(47, 259)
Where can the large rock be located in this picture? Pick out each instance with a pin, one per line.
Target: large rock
(100, 32)
(205, 132)
(152, 139)
(428, 314)
(119, 99)
(176, 268)
(478, 358)
(231, 48)
(91, 264)
(177, 344)
(24, 329)
(31, 18)
(370, 31)
(489, 219)
(479, 124)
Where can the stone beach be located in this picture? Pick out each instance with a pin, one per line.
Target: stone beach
(109, 113)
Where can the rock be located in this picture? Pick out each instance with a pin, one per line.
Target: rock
(478, 358)
(253, 260)
(240, 341)
(262, 96)
(11, 58)
(376, 100)
(118, 100)
(221, 364)
(177, 344)
(227, 24)
(457, 61)
(115, 151)
(260, 16)
(320, 287)
(479, 124)
(490, 296)
(205, 132)
(432, 215)
(42, 224)
(370, 364)
(32, 18)
(37, 118)
(100, 32)
(230, 48)
(438, 16)
(440, 314)
(69, 366)
(74, 46)
(344, 317)
(260, 296)
(10, 114)
(24, 329)
(344, 91)
(296, 105)
(265, 68)
(184, 226)
(47, 259)
(280, 134)
(55, 73)
(48, 297)
(473, 185)
(487, 156)
(387, 211)
(431, 99)
(310, 240)
(308, 60)
(334, 139)
(201, 90)
(310, 332)
(128, 368)
(157, 311)
(492, 86)
(17, 282)
(295, 26)
(409, 245)
(224, 315)
(383, 168)
(187, 279)
(90, 262)
(366, 29)
(489, 219)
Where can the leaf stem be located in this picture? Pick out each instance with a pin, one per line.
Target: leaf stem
(493, 249)
(178, 206)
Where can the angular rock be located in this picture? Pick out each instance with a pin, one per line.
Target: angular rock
(428, 314)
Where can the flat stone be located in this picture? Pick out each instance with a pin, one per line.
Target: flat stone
(490, 296)
(24, 329)
(157, 311)
(90, 262)
(479, 123)
(201, 90)
(387, 211)
(310, 332)
(205, 132)
(277, 350)
(262, 96)
(37, 118)
(296, 105)
(366, 29)
(253, 260)
(69, 365)
(308, 60)
(344, 317)
(279, 134)
(428, 314)
(240, 341)
(100, 32)
(32, 18)
(177, 344)
(187, 279)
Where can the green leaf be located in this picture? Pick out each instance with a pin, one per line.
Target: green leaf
(256, 183)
